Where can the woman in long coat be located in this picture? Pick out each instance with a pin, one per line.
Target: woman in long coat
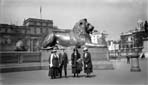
(53, 64)
(76, 69)
(88, 67)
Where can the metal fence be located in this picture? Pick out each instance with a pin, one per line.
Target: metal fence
(19, 57)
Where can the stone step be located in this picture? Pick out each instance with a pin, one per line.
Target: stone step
(97, 65)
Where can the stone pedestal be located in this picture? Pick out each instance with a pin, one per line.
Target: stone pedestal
(99, 56)
(135, 67)
(97, 53)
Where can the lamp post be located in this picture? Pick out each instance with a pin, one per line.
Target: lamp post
(135, 67)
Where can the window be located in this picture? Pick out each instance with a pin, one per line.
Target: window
(31, 23)
(131, 46)
(49, 25)
(44, 30)
(44, 24)
(38, 31)
(32, 30)
(22, 31)
(27, 31)
(38, 23)
(2, 29)
(9, 30)
(27, 24)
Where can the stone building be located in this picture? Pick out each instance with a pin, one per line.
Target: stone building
(133, 38)
(98, 38)
(9, 35)
(36, 29)
(113, 45)
(30, 33)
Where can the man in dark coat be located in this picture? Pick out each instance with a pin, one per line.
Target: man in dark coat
(63, 62)
(88, 68)
(75, 65)
(128, 59)
(146, 26)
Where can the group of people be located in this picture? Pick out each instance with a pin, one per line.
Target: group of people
(59, 61)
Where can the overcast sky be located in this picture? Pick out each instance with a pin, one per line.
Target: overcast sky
(112, 16)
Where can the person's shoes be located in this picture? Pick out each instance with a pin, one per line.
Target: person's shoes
(74, 75)
(52, 77)
(77, 75)
(87, 76)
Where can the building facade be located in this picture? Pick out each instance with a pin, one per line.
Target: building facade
(113, 48)
(36, 29)
(31, 34)
(98, 38)
(9, 35)
(113, 45)
(133, 38)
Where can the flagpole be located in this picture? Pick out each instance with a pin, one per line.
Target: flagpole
(41, 17)
(40, 12)
(41, 32)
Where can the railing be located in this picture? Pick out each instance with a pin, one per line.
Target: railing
(126, 52)
(19, 57)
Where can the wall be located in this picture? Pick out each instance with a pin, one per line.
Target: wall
(24, 61)
(19, 61)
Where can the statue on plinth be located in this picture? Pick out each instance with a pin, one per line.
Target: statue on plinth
(20, 46)
(78, 36)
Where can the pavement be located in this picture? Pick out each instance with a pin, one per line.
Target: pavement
(121, 75)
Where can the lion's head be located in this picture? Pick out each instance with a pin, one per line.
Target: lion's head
(83, 27)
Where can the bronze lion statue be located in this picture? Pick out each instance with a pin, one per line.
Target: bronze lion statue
(78, 36)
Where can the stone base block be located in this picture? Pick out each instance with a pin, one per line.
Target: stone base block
(135, 69)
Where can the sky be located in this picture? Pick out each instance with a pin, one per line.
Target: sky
(112, 16)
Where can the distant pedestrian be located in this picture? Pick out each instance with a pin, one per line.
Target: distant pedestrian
(74, 61)
(63, 62)
(53, 64)
(146, 26)
(88, 67)
(128, 59)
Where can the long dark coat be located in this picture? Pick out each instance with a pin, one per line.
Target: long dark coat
(75, 65)
(63, 58)
(55, 62)
(88, 67)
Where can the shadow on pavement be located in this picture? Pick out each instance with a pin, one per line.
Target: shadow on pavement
(80, 76)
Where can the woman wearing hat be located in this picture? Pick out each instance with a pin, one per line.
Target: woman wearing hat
(74, 58)
(53, 63)
(88, 68)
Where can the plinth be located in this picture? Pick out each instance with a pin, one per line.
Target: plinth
(100, 58)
